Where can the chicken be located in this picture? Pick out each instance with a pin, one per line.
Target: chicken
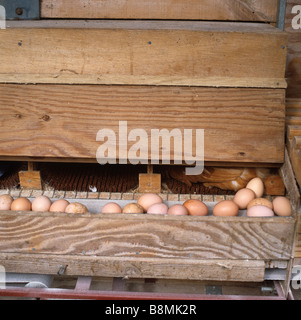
(222, 177)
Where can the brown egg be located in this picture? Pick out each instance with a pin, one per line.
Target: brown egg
(261, 202)
(59, 205)
(76, 207)
(5, 202)
(177, 210)
(196, 207)
(147, 199)
(260, 211)
(111, 207)
(226, 208)
(132, 208)
(282, 206)
(41, 203)
(243, 197)
(21, 204)
(158, 208)
(257, 186)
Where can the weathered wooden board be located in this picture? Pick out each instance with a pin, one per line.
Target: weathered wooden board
(293, 71)
(293, 141)
(184, 269)
(147, 236)
(245, 10)
(61, 121)
(192, 53)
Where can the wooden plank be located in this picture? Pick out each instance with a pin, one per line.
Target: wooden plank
(144, 52)
(150, 182)
(245, 10)
(30, 180)
(293, 71)
(274, 186)
(61, 121)
(296, 143)
(185, 269)
(295, 158)
(147, 236)
(289, 180)
(293, 121)
(293, 103)
(293, 131)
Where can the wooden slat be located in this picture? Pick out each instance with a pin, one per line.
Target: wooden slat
(147, 236)
(293, 131)
(192, 53)
(245, 10)
(62, 121)
(293, 121)
(166, 268)
(288, 177)
(295, 158)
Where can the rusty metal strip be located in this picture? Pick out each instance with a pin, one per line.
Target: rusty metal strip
(121, 295)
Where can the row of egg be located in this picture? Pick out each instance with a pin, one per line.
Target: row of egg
(249, 198)
(244, 199)
(40, 203)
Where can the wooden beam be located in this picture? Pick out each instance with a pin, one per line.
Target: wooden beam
(245, 10)
(147, 236)
(164, 268)
(144, 53)
(61, 121)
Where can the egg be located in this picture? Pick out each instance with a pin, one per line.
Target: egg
(6, 201)
(21, 204)
(132, 208)
(59, 205)
(260, 211)
(111, 207)
(41, 203)
(196, 207)
(262, 202)
(76, 207)
(225, 208)
(147, 199)
(243, 197)
(282, 206)
(177, 210)
(158, 208)
(257, 186)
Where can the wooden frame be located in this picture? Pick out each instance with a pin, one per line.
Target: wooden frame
(142, 246)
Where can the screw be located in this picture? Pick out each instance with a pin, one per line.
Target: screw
(19, 11)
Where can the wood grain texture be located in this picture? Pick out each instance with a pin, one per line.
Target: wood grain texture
(288, 177)
(293, 71)
(293, 134)
(150, 182)
(184, 269)
(30, 180)
(245, 10)
(62, 121)
(146, 236)
(192, 53)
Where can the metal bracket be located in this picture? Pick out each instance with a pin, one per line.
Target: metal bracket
(21, 9)
(281, 14)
